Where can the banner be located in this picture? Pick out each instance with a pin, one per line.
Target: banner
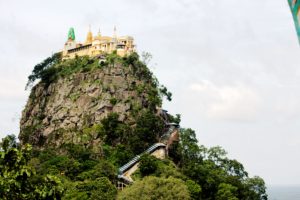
(295, 8)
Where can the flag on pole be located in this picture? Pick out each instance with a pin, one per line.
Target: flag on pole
(295, 8)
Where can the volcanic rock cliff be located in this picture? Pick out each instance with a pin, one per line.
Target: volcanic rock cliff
(74, 96)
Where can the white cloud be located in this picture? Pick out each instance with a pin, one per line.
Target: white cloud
(236, 102)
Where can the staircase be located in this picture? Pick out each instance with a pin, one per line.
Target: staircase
(158, 150)
(124, 172)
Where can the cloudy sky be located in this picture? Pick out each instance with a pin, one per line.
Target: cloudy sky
(232, 66)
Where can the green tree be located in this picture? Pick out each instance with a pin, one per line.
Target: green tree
(98, 189)
(113, 130)
(148, 164)
(164, 92)
(18, 180)
(146, 57)
(103, 189)
(226, 192)
(154, 188)
(8, 142)
(149, 127)
(188, 147)
(194, 188)
(110, 128)
(42, 70)
(102, 169)
(120, 154)
(257, 188)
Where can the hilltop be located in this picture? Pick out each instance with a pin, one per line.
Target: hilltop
(82, 92)
(90, 119)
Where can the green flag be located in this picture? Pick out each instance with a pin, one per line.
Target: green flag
(295, 8)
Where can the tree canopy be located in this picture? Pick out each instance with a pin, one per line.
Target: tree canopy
(76, 171)
(154, 188)
(18, 179)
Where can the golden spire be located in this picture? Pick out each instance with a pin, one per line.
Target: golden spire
(99, 33)
(98, 36)
(115, 32)
(89, 37)
(114, 38)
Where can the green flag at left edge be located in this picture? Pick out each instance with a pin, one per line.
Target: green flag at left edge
(295, 9)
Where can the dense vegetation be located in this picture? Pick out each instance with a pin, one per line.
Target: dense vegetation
(18, 180)
(195, 171)
(76, 171)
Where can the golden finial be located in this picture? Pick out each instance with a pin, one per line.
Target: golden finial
(99, 33)
(115, 32)
(89, 37)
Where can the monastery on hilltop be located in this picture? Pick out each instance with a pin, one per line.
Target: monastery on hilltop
(97, 45)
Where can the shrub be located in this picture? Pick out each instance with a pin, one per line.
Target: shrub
(113, 101)
(148, 164)
(98, 189)
(18, 179)
(151, 188)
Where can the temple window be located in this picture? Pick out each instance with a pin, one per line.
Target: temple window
(120, 46)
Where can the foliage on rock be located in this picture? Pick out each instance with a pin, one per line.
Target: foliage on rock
(98, 189)
(82, 93)
(44, 70)
(148, 165)
(85, 118)
(218, 176)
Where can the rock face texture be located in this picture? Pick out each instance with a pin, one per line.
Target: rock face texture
(58, 112)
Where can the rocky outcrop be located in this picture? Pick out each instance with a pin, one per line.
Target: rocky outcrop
(58, 112)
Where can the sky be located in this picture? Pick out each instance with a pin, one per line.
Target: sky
(231, 65)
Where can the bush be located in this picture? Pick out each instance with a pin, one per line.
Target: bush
(113, 101)
(111, 128)
(41, 70)
(102, 169)
(226, 192)
(18, 179)
(152, 188)
(194, 189)
(148, 164)
(149, 127)
(98, 189)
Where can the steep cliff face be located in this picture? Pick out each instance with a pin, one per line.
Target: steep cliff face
(59, 111)
(88, 116)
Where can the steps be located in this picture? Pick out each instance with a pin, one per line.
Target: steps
(158, 150)
(129, 168)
